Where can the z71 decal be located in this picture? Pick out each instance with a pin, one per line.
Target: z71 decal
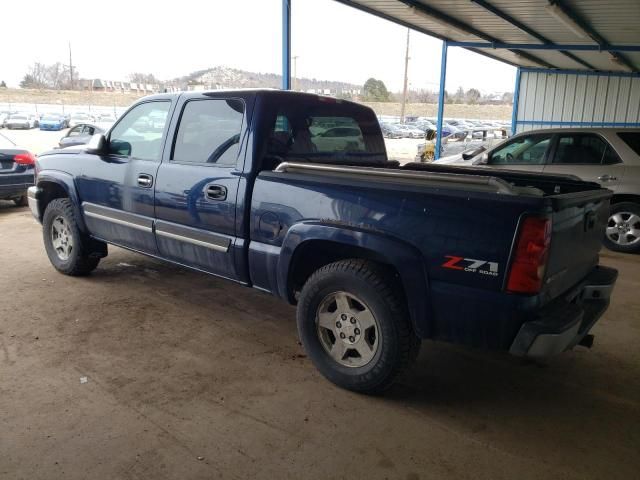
(471, 265)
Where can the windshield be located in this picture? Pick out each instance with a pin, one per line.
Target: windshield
(18, 117)
(50, 118)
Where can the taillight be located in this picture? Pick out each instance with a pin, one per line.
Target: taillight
(530, 256)
(25, 159)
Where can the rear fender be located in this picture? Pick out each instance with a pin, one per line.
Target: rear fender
(404, 258)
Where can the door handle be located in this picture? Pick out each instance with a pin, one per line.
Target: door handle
(215, 192)
(145, 180)
(606, 178)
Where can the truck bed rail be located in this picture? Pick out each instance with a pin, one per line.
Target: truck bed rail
(444, 180)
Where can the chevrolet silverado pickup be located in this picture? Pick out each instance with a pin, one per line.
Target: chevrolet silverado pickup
(293, 194)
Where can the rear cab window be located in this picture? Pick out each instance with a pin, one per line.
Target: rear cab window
(323, 130)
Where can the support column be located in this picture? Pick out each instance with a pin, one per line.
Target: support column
(516, 101)
(443, 80)
(286, 44)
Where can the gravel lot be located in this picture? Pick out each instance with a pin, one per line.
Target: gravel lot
(149, 371)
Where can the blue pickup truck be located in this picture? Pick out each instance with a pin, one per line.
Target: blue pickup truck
(293, 194)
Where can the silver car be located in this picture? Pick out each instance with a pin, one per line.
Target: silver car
(609, 156)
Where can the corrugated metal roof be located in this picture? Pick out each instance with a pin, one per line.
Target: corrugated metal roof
(616, 21)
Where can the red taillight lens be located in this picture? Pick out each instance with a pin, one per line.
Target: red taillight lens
(25, 159)
(530, 257)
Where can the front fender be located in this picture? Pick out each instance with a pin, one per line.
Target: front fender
(66, 182)
(405, 258)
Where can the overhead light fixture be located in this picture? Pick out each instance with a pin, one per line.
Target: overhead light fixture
(559, 14)
(449, 28)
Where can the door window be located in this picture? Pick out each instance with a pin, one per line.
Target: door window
(209, 132)
(75, 131)
(526, 150)
(584, 149)
(632, 139)
(139, 133)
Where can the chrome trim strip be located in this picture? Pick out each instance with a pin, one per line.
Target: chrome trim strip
(193, 241)
(117, 221)
(443, 179)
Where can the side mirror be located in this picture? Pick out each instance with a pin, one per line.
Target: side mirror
(97, 144)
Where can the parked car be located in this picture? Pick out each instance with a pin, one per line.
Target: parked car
(3, 118)
(16, 171)
(21, 120)
(78, 118)
(410, 131)
(80, 135)
(610, 156)
(52, 122)
(390, 130)
(375, 255)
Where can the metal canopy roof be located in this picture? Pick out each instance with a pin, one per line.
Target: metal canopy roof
(595, 35)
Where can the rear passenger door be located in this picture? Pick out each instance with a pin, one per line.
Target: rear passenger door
(588, 156)
(198, 183)
(527, 152)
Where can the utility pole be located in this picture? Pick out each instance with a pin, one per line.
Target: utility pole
(406, 80)
(70, 68)
(295, 71)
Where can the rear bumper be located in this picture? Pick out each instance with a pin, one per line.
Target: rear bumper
(565, 322)
(13, 191)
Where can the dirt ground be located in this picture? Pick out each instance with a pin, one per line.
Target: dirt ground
(149, 371)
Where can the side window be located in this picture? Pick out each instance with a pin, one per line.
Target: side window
(139, 132)
(584, 149)
(75, 131)
(209, 132)
(632, 139)
(526, 150)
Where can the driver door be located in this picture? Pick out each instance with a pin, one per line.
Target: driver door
(116, 187)
(527, 153)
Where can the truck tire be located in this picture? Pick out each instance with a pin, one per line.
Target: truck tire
(66, 246)
(623, 228)
(354, 326)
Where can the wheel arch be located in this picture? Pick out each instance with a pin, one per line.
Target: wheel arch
(308, 247)
(52, 185)
(625, 197)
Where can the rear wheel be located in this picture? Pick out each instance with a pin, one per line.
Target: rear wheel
(623, 228)
(67, 247)
(355, 327)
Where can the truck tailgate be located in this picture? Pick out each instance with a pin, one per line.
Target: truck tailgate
(579, 222)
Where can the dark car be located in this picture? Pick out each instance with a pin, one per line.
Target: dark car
(377, 256)
(80, 135)
(16, 171)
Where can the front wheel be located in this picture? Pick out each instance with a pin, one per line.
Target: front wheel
(65, 244)
(354, 325)
(623, 228)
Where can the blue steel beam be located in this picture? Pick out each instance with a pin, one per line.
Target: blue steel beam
(286, 44)
(529, 31)
(443, 80)
(552, 46)
(516, 100)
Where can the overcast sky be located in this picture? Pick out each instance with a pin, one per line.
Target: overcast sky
(112, 39)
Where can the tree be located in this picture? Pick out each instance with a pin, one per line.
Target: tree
(3, 84)
(473, 96)
(507, 97)
(375, 91)
(144, 78)
(35, 76)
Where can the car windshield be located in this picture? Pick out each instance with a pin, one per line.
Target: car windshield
(5, 142)
(51, 118)
(18, 117)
